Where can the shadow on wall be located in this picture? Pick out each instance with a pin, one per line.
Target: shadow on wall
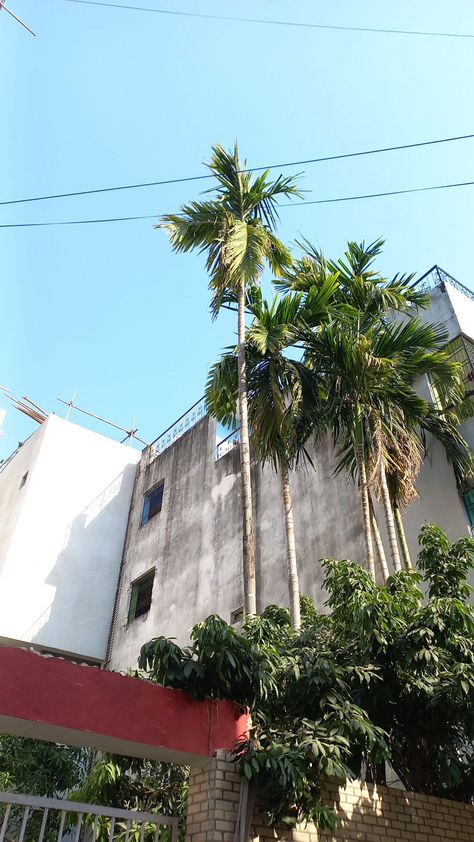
(85, 576)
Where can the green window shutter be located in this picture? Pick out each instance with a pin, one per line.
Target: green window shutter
(468, 498)
(133, 603)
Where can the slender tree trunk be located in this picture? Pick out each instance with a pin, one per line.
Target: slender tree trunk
(378, 541)
(402, 537)
(364, 496)
(389, 519)
(293, 584)
(250, 600)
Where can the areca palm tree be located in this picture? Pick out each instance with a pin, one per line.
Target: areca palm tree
(370, 369)
(283, 398)
(236, 230)
(378, 446)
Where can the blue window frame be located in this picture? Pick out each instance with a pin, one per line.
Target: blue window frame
(153, 502)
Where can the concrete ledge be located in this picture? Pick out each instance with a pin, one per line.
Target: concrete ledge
(52, 699)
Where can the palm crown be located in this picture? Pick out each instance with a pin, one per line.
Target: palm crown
(235, 227)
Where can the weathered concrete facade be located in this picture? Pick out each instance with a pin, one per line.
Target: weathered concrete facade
(195, 542)
(194, 545)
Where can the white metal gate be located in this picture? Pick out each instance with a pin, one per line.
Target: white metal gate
(26, 818)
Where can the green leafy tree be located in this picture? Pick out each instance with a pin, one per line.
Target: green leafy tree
(306, 724)
(35, 767)
(236, 229)
(424, 655)
(132, 783)
(386, 675)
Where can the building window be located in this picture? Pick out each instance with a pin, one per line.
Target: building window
(23, 480)
(152, 502)
(237, 616)
(468, 498)
(140, 597)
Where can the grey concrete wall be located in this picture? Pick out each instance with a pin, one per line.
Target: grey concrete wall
(195, 542)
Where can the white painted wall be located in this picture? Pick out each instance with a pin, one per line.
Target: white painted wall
(452, 308)
(463, 307)
(61, 537)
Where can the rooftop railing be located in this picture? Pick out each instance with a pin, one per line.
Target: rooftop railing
(227, 444)
(436, 276)
(188, 420)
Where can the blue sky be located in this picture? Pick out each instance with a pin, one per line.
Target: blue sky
(107, 96)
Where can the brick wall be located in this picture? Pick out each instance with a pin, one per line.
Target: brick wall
(365, 813)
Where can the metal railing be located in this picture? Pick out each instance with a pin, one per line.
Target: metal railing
(436, 276)
(188, 420)
(27, 818)
(226, 445)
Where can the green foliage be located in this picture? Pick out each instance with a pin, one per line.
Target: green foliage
(40, 768)
(283, 398)
(387, 674)
(235, 228)
(131, 783)
(306, 727)
(35, 767)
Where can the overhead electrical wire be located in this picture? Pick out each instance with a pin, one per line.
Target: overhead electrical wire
(272, 22)
(250, 169)
(285, 205)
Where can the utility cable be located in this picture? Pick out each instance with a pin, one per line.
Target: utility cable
(270, 22)
(250, 169)
(286, 205)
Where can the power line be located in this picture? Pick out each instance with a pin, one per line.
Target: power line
(297, 24)
(286, 205)
(77, 221)
(250, 169)
(377, 195)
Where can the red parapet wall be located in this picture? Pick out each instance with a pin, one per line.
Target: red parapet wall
(53, 699)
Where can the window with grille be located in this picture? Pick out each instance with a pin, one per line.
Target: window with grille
(153, 502)
(140, 597)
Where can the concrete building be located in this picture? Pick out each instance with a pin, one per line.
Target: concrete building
(184, 561)
(64, 500)
(69, 581)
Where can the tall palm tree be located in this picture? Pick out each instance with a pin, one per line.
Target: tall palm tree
(235, 228)
(283, 398)
(373, 444)
(370, 368)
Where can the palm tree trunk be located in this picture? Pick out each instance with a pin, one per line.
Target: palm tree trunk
(250, 600)
(402, 537)
(364, 496)
(378, 541)
(293, 584)
(389, 519)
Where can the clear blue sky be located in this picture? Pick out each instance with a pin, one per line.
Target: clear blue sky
(107, 96)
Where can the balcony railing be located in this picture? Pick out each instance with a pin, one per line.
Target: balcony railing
(436, 276)
(190, 418)
(227, 444)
